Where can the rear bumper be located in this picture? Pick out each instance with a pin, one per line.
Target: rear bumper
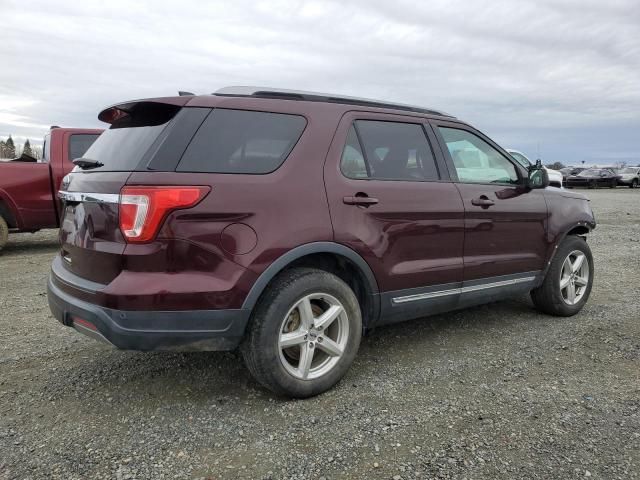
(150, 330)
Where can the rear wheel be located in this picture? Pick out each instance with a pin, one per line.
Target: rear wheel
(567, 285)
(304, 333)
(593, 184)
(4, 233)
(614, 183)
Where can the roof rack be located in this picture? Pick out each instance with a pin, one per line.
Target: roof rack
(285, 94)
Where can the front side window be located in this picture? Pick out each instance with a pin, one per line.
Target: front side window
(475, 160)
(242, 141)
(389, 151)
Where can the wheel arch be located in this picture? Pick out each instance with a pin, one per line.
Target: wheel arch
(330, 256)
(8, 210)
(580, 229)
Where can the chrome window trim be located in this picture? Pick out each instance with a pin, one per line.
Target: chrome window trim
(89, 197)
(457, 291)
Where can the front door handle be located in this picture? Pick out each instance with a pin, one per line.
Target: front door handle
(362, 200)
(482, 201)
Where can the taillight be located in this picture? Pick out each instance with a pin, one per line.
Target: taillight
(143, 209)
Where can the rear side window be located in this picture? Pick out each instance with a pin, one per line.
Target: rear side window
(79, 144)
(388, 151)
(242, 141)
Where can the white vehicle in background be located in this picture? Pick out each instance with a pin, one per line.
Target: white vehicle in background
(555, 176)
(629, 176)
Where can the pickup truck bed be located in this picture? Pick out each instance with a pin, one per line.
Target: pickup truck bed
(28, 190)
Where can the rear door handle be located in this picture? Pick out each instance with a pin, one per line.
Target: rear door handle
(363, 200)
(482, 201)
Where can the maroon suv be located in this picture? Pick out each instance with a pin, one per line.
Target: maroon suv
(288, 223)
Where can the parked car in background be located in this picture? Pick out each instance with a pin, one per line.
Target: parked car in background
(28, 188)
(629, 176)
(286, 223)
(568, 171)
(555, 176)
(593, 177)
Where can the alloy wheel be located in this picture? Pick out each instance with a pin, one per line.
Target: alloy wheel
(313, 336)
(574, 277)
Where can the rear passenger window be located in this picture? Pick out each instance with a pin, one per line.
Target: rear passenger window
(352, 163)
(242, 141)
(389, 151)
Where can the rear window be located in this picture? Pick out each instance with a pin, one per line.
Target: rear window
(79, 144)
(242, 141)
(123, 146)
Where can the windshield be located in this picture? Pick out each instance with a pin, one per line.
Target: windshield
(522, 160)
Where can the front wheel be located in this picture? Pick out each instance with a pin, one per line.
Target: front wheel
(4, 232)
(634, 183)
(614, 183)
(567, 285)
(304, 333)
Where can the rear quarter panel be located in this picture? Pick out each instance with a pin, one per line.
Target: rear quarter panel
(254, 219)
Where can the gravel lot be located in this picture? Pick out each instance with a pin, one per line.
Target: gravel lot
(493, 392)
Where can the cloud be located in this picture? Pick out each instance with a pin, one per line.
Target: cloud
(522, 71)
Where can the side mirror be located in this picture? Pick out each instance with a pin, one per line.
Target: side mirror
(538, 177)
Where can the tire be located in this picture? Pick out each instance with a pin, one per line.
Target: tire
(550, 298)
(614, 183)
(634, 183)
(4, 232)
(593, 184)
(280, 310)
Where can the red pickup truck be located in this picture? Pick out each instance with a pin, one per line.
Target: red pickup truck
(28, 189)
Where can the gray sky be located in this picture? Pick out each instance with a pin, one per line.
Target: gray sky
(564, 74)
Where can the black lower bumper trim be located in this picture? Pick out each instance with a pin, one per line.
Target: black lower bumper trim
(155, 330)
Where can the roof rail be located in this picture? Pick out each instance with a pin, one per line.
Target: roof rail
(286, 94)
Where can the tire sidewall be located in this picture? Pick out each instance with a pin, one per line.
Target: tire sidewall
(268, 321)
(4, 232)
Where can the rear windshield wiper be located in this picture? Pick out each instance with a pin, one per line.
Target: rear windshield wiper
(86, 164)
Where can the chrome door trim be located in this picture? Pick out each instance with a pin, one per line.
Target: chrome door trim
(424, 296)
(463, 289)
(503, 283)
(89, 197)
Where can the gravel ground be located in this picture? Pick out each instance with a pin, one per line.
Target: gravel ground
(493, 392)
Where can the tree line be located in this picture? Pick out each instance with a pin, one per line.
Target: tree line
(9, 149)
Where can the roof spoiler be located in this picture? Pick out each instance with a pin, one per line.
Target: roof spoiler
(145, 107)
